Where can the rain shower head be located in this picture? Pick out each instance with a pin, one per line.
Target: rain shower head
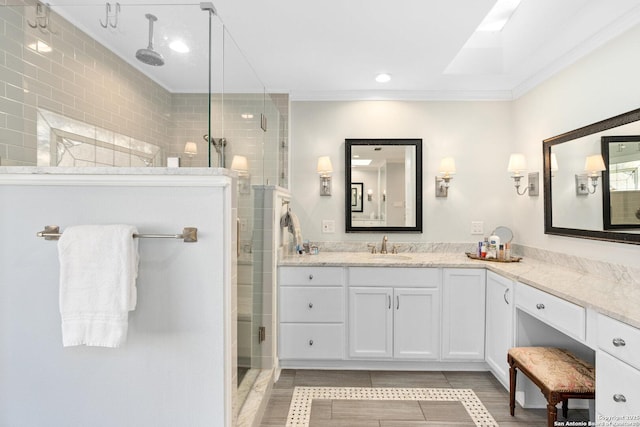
(148, 55)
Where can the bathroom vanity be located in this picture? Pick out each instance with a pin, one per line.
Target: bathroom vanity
(443, 311)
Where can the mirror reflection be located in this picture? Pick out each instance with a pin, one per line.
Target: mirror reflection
(383, 185)
(591, 181)
(622, 156)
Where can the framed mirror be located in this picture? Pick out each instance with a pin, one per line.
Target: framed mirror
(621, 204)
(383, 185)
(573, 205)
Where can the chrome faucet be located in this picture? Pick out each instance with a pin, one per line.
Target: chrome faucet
(383, 248)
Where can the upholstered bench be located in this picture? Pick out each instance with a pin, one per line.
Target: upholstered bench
(559, 374)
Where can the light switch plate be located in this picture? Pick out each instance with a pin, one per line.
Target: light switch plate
(328, 226)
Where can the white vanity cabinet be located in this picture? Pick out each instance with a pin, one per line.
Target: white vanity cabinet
(394, 313)
(618, 372)
(463, 304)
(500, 335)
(311, 310)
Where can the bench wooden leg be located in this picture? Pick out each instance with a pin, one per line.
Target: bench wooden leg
(552, 414)
(512, 386)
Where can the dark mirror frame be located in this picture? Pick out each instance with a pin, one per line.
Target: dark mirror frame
(349, 143)
(606, 195)
(600, 126)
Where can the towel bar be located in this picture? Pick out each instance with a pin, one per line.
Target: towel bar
(189, 234)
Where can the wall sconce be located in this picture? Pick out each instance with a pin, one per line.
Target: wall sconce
(369, 195)
(593, 166)
(447, 168)
(190, 149)
(240, 164)
(325, 169)
(517, 165)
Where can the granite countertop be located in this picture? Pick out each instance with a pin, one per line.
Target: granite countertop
(616, 299)
(53, 170)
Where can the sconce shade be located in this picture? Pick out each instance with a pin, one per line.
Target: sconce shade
(517, 163)
(190, 148)
(324, 165)
(447, 166)
(594, 164)
(240, 164)
(554, 162)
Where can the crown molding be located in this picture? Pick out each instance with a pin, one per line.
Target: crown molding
(402, 95)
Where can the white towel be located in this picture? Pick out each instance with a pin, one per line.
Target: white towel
(294, 228)
(98, 270)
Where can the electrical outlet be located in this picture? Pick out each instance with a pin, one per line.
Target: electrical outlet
(328, 226)
(477, 227)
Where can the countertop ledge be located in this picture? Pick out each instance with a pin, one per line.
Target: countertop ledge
(618, 300)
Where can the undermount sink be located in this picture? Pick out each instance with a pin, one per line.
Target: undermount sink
(389, 257)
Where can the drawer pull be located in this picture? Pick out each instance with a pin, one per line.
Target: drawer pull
(618, 342)
(311, 277)
(619, 398)
(389, 296)
(310, 342)
(540, 306)
(310, 305)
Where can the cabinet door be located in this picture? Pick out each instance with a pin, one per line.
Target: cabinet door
(463, 304)
(499, 336)
(416, 323)
(370, 322)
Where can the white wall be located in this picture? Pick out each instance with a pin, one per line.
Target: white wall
(477, 134)
(480, 136)
(175, 368)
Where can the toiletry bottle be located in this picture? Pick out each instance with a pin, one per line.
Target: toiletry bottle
(483, 250)
(501, 252)
(507, 251)
(479, 250)
(494, 243)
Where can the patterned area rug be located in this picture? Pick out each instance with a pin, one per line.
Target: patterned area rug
(300, 409)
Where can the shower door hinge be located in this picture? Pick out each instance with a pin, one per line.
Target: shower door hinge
(262, 334)
(263, 122)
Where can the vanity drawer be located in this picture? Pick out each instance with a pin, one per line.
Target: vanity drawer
(311, 304)
(619, 340)
(404, 277)
(311, 341)
(319, 276)
(562, 315)
(617, 389)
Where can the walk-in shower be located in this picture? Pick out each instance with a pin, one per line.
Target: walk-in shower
(219, 144)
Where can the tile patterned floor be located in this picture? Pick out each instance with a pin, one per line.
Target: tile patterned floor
(399, 404)
(379, 413)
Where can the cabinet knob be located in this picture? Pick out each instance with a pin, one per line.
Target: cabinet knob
(310, 342)
(618, 342)
(540, 306)
(311, 277)
(310, 305)
(619, 398)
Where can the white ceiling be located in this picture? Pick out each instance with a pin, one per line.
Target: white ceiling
(334, 49)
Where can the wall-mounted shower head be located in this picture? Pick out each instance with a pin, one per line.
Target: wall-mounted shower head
(148, 55)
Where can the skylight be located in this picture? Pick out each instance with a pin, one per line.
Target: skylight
(499, 15)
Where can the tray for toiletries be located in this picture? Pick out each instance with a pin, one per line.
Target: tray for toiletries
(512, 259)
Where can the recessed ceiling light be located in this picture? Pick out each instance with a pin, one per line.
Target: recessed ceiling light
(383, 78)
(179, 46)
(246, 115)
(360, 162)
